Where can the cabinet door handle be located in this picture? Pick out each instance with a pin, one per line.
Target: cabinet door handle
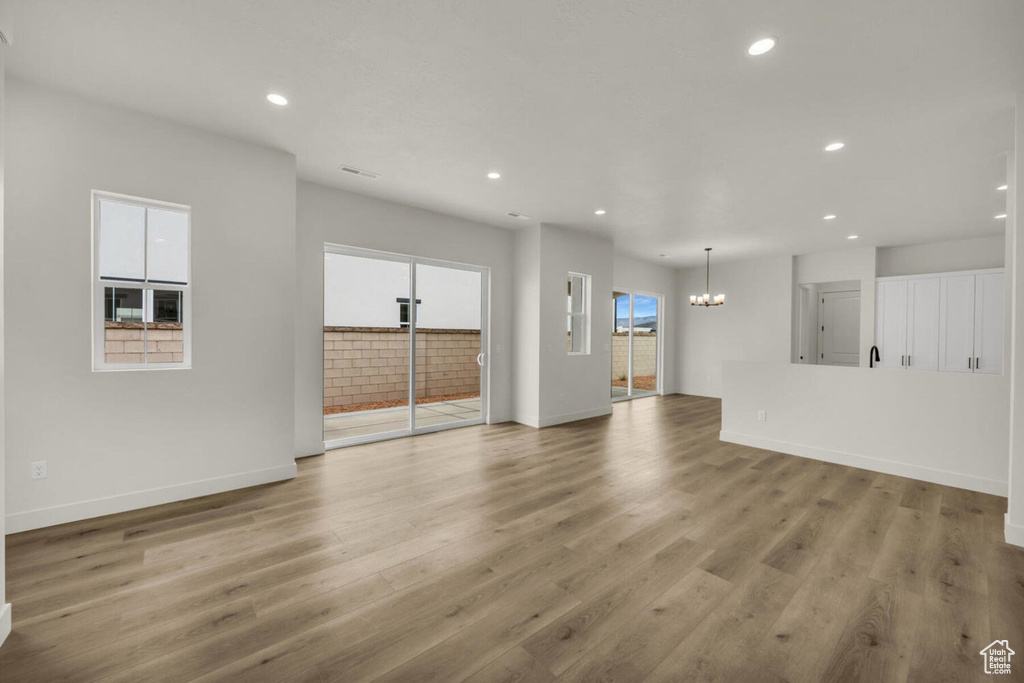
(977, 364)
(968, 362)
(908, 360)
(903, 360)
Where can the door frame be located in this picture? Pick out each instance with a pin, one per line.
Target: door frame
(659, 345)
(485, 324)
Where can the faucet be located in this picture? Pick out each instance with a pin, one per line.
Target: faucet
(873, 356)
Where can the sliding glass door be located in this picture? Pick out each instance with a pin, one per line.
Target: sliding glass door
(397, 326)
(636, 351)
(449, 346)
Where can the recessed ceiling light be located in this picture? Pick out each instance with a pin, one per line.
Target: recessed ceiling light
(830, 217)
(493, 175)
(852, 237)
(1001, 188)
(600, 212)
(279, 100)
(834, 146)
(1000, 216)
(759, 47)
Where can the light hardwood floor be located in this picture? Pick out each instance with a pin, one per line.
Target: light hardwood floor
(636, 547)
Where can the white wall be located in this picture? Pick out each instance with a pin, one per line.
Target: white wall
(945, 427)
(327, 215)
(5, 608)
(122, 440)
(632, 275)
(526, 300)
(942, 257)
(573, 387)
(1014, 528)
(364, 292)
(754, 324)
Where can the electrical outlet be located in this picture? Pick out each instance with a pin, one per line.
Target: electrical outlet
(38, 469)
(762, 416)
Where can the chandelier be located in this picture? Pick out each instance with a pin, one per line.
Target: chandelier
(705, 299)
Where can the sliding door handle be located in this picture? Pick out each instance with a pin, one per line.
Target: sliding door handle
(480, 359)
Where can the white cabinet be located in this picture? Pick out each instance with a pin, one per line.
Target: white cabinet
(988, 323)
(891, 323)
(949, 322)
(923, 324)
(956, 324)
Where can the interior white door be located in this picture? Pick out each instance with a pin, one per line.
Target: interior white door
(923, 324)
(988, 323)
(891, 323)
(956, 324)
(840, 323)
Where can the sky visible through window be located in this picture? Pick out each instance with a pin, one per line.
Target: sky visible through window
(643, 307)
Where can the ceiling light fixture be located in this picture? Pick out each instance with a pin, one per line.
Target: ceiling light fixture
(1001, 216)
(1002, 188)
(852, 237)
(705, 299)
(493, 175)
(600, 212)
(279, 100)
(759, 47)
(663, 255)
(834, 146)
(830, 217)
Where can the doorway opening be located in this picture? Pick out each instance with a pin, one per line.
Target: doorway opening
(636, 345)
(380, 347)
(829, 323)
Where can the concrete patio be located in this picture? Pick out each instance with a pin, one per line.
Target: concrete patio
(367, 422)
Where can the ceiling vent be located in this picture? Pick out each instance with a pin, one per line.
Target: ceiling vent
(360, 172)
(513, 214)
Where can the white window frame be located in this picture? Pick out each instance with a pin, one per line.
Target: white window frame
(583, 315)
(99, 363)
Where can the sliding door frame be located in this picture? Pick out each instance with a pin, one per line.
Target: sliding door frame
(412, 262)
(659, 346)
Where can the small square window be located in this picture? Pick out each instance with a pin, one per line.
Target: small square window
(578, 311)
(141, 291)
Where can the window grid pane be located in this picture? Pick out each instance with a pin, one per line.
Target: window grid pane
(136, 243)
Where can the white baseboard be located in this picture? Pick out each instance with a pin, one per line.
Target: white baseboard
(1014, 534)
(87, 509)
(5, 622)
(572, 417)
(955, 479)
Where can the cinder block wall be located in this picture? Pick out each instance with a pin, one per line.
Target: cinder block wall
(645, 354)
(367, 364)
(164, 342)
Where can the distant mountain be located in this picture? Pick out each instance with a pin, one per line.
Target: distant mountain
(650, 321)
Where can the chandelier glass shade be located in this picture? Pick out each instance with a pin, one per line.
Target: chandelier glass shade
(705, 298)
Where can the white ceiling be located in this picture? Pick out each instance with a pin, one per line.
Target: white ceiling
(650, 109)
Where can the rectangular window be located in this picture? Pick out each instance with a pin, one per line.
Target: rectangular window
(403, 310)
(141, 290)
(578, 303)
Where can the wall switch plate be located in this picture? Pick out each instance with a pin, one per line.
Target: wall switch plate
(38, 469)
(709, 379)
(762, 416)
